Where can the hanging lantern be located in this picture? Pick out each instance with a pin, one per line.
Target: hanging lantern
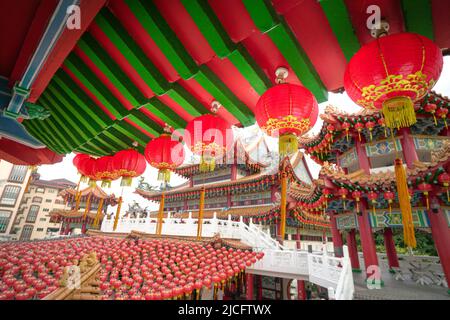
(391, 73)
(389, 196)
(382, 123)
(359, 127)
(76, 162)
(164, 154)
(442, 113)
(287, 111)
(425, 188)
(444, 178)
(210, 137)
(128, 164)
(357, 196)
(87, 167)
(373, 196)
(369, 126)
(343, 193)
(346, 127)
(431, 108)
(326, 192)
(104, 171)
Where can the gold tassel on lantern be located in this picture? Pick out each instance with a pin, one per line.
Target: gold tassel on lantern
(405, 204)
(399, 112)
(287, 144)
(116, 219)
(164, 175)
(106, 184)
(283, 204)
(126, 181)
(200, 214)
(99, 212)
(160, 215)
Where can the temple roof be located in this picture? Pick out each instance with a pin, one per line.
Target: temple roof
(55, 183)
(75, 213)
(96, 191)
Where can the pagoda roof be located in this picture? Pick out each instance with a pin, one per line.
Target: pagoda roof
(96, 191)
(55, 183)
(74, 213)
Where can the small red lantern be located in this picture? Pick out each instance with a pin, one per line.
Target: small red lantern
(431, 108)
(210, 137)
(444, 178)
(343, 193)
(382, 123)
(346, 126)
(359, 127)
(165, 154)
(370, 125)
(373, 196)
(128, 164)
(403, 68)
(287, 111)
(357, 196)
(389, 196)
(442, 113)
(425, 188)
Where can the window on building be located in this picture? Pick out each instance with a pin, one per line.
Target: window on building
(37, 200)
(51, 190)
(39, 229)
(32, 213)
(48, 200)
(18, 174)
(40, 190)
(42, 219)
(59, 201)
(4, 220)
(26, 233)
(46, 209)
(10, 195)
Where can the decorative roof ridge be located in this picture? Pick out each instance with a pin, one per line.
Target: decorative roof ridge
(96, 190)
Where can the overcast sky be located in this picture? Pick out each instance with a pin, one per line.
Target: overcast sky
(65, 169)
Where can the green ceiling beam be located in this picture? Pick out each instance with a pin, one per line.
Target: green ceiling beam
(43, 136)
(339, 20)
(145, 122)
(418, 17)
(86, 150)
(121, 141)
(211, 83)
(262, 14)
(165, 38)
(81, 99)
(181, 96)
(131, 132)
(75, 111)
(90, 80)
(105, 142)
(209, 26)
(165, 113)
(110, 69)
(276, 28)
(54, 134)
(242, 60)
(132, 52)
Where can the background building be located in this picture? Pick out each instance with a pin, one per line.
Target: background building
(33, 218)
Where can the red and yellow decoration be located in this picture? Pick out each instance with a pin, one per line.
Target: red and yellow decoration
(165, 154)
(128, 164)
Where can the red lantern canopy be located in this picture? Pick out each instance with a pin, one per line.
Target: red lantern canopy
(210, 137)
(165, 154)
(391, 73)
(286, 110)
(128, 164)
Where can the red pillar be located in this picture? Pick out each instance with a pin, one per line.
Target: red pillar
(367, 241)
(67, 228)
(301, 290)
(83, 228)
(62, 230)
(391, 252)
(337, 237)
(259, 297)
(249, 283)
(409, 150)
(363, 160)
(441, 238)
(353, 250)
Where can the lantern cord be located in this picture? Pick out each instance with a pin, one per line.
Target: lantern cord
(200, 213)
(404, 198)
(160, 215)
(116, 219)
(283, 201)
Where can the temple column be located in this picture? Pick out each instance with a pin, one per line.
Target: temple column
(441, 237)
(259, 295)
(353, 250)
(408, 148)
(66, 232)
(62, 230)
(364, 163)
(249, 283)
(337, 237)
(391, 252)
(83, 228)
(368, 244)
(301, 290)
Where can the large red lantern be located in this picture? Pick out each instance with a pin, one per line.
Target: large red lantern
(210, 137)
(391, 73)
(128, 164)
(104, 171)
(87, 167)
(76, 162)
(165, 154)
(287, 111)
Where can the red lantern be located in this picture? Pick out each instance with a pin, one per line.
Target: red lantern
(370, 125)
(128, 164)
(425, 188)
(442, 113)
(346, 127)
(104, 171)
(444, 178)
(343, 193)
(76, 162)
(287, 110)
(210, 137)
(373, 196)
(391, 73)
(357, 196)
(164, 154)
(389, 196)
(359, 127)
(431, 108)
(87, 167)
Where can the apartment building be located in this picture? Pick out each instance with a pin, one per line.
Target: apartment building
(13, 181)
(33, 218)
